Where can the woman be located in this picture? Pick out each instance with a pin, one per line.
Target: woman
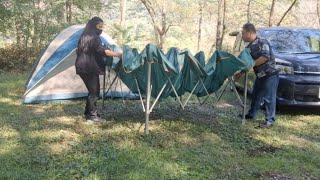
(89, 64)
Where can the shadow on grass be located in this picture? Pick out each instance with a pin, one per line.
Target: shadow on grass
(296, 111)
(53, 141)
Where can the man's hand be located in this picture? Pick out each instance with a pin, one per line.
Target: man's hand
(261, 60)
(238, 75)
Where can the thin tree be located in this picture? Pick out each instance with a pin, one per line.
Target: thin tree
(223, 22)
(161, 28)
(123, 6)
(69, 11)
(220, 24)
(201, 6)
(271, 13)
(318, 11)
(285, 14)
(36, 22)
(248, 11)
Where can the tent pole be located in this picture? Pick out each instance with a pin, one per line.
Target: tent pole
(146, 130)
(245, 98)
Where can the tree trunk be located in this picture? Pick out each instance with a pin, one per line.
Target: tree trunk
(42, 34)
(161, 41)
(160, 30)
(318, 11)
(271, 13)
(123, 6)
(220, 24)
(200, 24)
(284, 15)
(69, 11)
(248, 11)
(223, 21)
(35, 35)
(148, 5)
(19, 33)
(163, 30)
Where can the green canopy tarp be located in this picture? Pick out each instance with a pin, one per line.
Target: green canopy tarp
(186, 72)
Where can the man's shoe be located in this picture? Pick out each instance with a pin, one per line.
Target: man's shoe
(247, 117)
(265, 124)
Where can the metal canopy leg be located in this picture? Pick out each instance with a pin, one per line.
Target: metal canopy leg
(158, 97)
(207, 96)
(122, 94)
(147, 112)
(113, 81)
(175, 92)
(104, 90)
(140, 96)
(223, 91)
(233, 85)
(231, 82)
(191, 93)
(148, 106)
(245, 98)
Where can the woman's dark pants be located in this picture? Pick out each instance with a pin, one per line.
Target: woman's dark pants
(93, 85)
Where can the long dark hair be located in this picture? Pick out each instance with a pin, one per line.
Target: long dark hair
(89, 35)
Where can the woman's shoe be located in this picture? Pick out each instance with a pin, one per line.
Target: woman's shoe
(95, 119)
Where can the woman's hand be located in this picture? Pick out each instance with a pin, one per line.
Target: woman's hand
(112, 53)
(119, 54)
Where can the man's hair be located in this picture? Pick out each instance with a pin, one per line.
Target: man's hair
(248, 27)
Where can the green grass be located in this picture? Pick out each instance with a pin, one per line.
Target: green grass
(52, 141)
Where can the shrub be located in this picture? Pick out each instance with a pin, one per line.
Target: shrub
(17, 59)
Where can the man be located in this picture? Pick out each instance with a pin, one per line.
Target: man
(267, 76)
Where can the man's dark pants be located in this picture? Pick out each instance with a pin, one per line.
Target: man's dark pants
(265, 90)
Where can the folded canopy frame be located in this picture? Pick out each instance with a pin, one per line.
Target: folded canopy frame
(155, 74)
(148, 106)
(149, 109)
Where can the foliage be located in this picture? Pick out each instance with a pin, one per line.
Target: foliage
(122, 34)
(34, 23)
(13, 58)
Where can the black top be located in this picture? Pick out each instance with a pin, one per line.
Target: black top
(91, 60)
(261, 47)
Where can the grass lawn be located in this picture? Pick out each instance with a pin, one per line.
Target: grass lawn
(52, 141)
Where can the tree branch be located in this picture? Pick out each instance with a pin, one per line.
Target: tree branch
(284, 15)
(151, 12)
